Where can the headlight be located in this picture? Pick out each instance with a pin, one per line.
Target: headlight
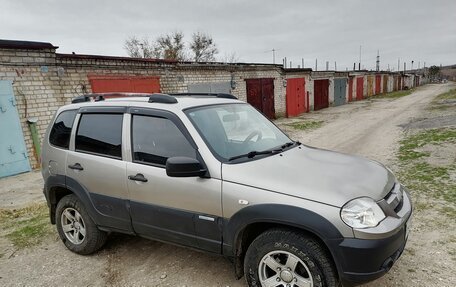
(362, 212)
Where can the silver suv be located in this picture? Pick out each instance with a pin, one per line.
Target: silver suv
(210, 172)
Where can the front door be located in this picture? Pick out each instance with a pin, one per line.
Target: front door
(184, 210)
(13, 153)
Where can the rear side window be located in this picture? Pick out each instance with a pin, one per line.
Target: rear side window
(61, 130)
(156, 139)
(100, 134)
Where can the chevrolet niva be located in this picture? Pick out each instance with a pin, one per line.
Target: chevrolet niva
(210, 172)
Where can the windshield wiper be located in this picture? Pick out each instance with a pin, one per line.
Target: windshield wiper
(254, 153)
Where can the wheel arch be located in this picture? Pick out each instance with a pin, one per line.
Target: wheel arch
(243, 227)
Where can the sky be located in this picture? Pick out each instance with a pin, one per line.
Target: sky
(422, 31)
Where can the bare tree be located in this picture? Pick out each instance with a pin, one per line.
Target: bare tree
(137, 48)
(171, 46)
(203, 47)
(230, 58)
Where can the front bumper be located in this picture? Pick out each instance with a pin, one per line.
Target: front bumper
(363, 260)
(373, 252)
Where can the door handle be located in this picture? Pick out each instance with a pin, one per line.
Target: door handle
(138, 177)
(76, 166)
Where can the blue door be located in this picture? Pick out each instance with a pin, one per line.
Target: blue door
(340, 86)
(13, 153)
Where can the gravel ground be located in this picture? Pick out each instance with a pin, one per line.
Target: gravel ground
(372, 128)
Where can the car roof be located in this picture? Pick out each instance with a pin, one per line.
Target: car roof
(183, 102)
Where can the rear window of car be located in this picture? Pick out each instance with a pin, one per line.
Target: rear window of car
(61, 130)
(100, 134)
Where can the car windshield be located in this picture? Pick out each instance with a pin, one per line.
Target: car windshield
(233, 130)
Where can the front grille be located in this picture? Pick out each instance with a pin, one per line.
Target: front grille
(395, 198)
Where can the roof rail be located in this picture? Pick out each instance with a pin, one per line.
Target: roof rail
(87, 97)
(153, 98)
(218, 95)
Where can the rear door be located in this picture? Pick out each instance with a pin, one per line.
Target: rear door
(183, 210)
(95, 165)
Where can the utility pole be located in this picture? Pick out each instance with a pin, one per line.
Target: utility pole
(360, 57)
(316, 64)
(398, 64)
(378, 61)
(335, 66)
(273, 55)
(302, 62)
(412, 65)
(327, 65)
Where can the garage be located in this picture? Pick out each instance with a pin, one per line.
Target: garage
(215, 87)
(350, 89)
(370, 86)
(297, 102)
(126, 84)
(385, 84)
(359, 88)
(340, 88)
(260, 94)
(13, 152)
(321, 94)
(378, 82)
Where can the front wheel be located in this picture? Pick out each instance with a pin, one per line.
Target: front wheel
(285, 258)
(75, 227)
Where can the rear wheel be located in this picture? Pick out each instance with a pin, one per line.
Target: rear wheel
(287, 258)
(75, 227)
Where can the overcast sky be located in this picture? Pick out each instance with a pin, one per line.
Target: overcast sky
(418, 30)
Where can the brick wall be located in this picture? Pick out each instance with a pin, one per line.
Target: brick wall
(43, 80)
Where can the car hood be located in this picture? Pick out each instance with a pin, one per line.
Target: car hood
(315, 174)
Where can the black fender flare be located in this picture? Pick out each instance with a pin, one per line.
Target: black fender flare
(102, 220)
(280, 214)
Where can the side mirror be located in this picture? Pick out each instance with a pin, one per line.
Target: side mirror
(184, 167)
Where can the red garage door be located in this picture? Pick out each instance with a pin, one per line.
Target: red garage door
(378, 81)
(296, 99)
(321, 94)
(129, 84)
(359, 88)
(260, 94)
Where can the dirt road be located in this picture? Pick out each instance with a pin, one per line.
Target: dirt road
(370, 128)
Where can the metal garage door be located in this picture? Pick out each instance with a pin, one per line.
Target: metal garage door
(359, 88)
(370, 86)
(385, 84)
(217, 87)
(340, 87)
(350, 89)
(260, 94)
(321, 94)
(296, 98)
(13, 153)
(131, 84)
(378, 83)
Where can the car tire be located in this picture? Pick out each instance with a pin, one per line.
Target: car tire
(75, 227)
(287, 258)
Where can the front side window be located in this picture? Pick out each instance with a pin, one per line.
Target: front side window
(155, 139)
(100, 134)
(231, 130)
(61, 130)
